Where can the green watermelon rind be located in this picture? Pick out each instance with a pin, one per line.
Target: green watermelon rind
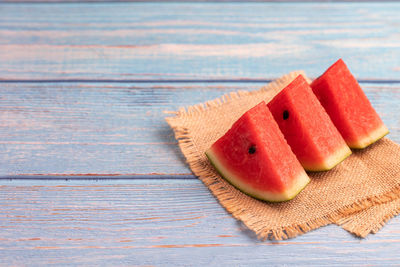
(302, 180)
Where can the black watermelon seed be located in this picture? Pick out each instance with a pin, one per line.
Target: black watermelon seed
(252, 149)
(285, 114)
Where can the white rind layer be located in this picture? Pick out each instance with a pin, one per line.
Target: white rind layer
(330, 162)
(371, 138)
(299, 183)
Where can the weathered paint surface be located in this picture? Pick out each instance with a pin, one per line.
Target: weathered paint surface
(83, 88)
(158, 223)
(114, 129)
(192, 40)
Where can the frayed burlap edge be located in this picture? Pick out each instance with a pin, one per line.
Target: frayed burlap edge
(360, 223)
(225, 195)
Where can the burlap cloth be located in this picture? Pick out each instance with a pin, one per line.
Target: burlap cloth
(360, 194)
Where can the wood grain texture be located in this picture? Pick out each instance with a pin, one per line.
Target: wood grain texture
(158, 223)
(184, 1)
(187, 40)
(74, 109)
(77, 130)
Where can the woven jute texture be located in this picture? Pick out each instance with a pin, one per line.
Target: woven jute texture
(360, 194)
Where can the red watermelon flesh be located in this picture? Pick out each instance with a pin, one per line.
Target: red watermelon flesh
(307, 128)
(348, 106)
(254, 157)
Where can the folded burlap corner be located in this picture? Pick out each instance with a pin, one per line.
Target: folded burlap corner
(360, 194)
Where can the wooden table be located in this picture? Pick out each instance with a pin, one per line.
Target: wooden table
(91, 173)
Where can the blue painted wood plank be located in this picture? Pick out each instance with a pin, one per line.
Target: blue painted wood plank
(97, 130)
(106, 130)
(203, 40)
(175, 1)
(158, 223)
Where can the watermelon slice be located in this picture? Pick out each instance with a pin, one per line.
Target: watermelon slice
(348, 106)
(307, 128)
(254, 157)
